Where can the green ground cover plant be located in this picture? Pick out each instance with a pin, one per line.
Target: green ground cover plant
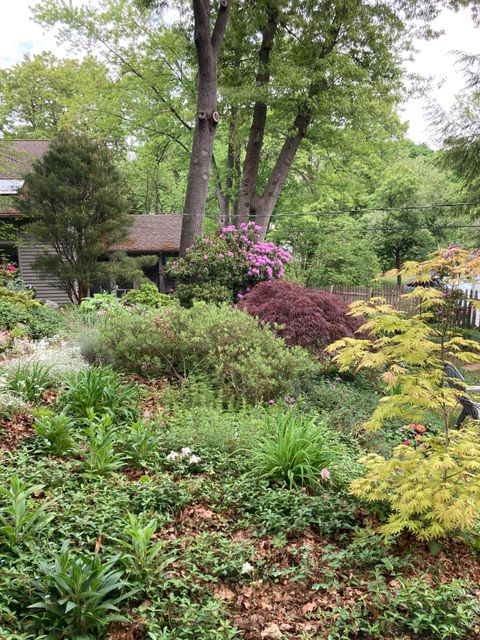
(173, 508)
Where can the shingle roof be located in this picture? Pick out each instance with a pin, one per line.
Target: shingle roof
(155, 233)
(18, 156)
(9, 211)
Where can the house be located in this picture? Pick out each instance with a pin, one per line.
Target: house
(149, 234)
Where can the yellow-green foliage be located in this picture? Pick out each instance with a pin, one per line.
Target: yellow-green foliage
(435, 488)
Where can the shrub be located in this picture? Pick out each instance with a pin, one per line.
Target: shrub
(97, 391)
(432, 490)
(147, 295)
(97, 302)
(233, 260)
(297, 454)
(241, 358)
(20, 308)
(211, 292)
(303, 317)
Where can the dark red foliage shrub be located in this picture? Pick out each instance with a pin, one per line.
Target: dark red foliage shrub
(309, 318)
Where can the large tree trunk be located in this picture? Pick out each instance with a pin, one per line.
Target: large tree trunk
(260, 206)
(248, 192)
(208, 47)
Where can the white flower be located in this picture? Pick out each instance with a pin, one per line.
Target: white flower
(173, 455)
(186, 451)
(247, 567)
(194, 460)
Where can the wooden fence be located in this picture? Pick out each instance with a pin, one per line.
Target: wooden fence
(467, 315)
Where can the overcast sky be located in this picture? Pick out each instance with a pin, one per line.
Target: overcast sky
(19, 35)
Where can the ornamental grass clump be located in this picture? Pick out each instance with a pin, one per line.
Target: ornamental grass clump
(433, 489)
(303, 317)
(296, 451)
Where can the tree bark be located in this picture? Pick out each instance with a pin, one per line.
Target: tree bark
(251, 203)
(208, 45)
(246, 204)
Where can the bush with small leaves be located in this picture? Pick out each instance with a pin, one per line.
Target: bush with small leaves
(243, 360)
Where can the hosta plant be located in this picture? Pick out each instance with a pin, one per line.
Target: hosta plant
(79, 595)
(434, 489)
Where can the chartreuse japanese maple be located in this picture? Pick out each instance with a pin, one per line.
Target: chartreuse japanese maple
(432, 489)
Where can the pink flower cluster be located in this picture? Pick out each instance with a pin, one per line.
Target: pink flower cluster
(266, 260)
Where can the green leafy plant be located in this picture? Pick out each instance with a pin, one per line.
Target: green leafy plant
(140, 551)
(55, 430)
(294, 452)
(101, 459)
(20, 521)
(245, 361)
(147, 295)
(30, 380)
(140, 444)
(79, 595)
(445, 611)
(434, 488)
(100, 390)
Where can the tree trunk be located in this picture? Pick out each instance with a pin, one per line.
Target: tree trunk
(266, 203)
(248, 192)
(208, 47)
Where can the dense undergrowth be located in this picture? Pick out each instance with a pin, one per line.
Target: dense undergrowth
(139, 510)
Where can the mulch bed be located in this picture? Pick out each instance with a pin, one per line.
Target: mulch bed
(14, 430)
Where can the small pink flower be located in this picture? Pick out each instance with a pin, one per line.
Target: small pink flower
(406, 443)
(147, 413)
(205, 257)
(11, 268)
(271, 402)
(325, 474)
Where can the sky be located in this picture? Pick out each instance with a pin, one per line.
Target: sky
(435, 59)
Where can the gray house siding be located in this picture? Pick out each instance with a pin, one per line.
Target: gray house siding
(46, 287)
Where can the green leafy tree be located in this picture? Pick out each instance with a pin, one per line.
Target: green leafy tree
(432, 485)
(43, 94)
(460, 132)
(289, 72)
(404, 230)
(74, 203)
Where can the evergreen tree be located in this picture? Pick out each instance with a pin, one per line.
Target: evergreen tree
(74, 203)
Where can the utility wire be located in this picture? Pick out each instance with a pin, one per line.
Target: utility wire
(415, 207)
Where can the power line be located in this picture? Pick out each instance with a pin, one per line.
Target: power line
(415, 207)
